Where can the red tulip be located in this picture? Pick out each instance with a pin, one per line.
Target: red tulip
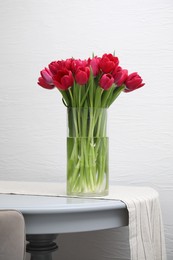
(76, 64)
(133, 81)
(63, 79)
(120, 75)
(106, 81)
(69, 64)
(82, 75)
(108, 63)
(55, 66)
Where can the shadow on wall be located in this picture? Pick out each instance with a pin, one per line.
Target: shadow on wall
(105, 244)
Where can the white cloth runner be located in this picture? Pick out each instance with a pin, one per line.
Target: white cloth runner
(146, 235)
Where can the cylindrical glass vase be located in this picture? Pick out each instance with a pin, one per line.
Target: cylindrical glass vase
(87, 152)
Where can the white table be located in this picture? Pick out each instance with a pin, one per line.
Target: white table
(48, 216)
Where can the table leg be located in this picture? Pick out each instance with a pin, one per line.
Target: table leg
(41, 246)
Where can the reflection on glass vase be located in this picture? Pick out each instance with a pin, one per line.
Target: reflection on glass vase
(87, 152)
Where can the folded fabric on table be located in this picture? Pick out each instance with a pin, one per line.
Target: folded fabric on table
(146, 234)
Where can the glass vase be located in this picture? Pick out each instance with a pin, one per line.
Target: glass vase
(87, 152)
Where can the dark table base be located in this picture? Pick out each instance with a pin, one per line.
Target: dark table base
(41, 246)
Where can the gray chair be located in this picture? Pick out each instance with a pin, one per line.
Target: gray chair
(12, 235)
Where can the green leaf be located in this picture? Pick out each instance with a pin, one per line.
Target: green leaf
(98, 94)
(84, 95)
(75, 94)
(115, 94)
(65, 98)
(106, 95)
(91, 89)
(71, 97)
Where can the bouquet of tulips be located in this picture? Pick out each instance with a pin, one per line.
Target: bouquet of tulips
(95, 82)
(88, 87)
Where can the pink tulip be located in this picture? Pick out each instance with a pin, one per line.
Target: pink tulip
(47, 75)
(44, 84)
(46, 80)
(94, 63)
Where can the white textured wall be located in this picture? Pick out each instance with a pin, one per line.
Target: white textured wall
(32, 120)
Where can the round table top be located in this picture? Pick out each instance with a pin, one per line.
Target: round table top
(29, 204)
(50, 214)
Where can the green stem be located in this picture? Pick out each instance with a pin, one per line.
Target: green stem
(87, 155)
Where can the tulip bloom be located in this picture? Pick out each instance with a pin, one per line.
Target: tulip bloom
(94, 63)
(106, 81)
(47, 75)
(96, 75)
(63, 79)
(55, 66)
(133, 82)
(69, 64)
(46, 80)
(44, 84)
(108, 63)
(120, 75)
(82, 75)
